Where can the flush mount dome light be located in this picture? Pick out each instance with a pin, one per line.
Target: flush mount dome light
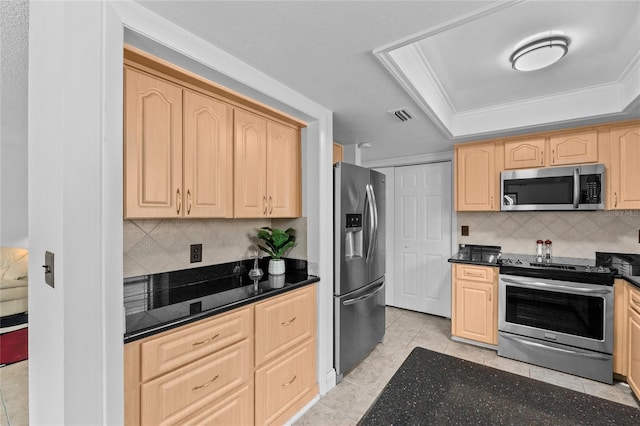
(539, 51)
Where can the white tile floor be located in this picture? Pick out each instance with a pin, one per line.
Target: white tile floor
(14, 394)
(347, 402)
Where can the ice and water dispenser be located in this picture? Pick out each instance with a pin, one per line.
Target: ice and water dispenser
(353, 240)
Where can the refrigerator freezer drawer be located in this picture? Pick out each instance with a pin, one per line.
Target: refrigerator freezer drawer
(359, 325)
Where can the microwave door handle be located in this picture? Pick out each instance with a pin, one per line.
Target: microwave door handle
(576, 188)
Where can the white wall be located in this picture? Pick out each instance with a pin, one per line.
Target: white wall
(75, 187)
(14, 31)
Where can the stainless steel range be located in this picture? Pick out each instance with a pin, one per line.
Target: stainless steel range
(557, 315)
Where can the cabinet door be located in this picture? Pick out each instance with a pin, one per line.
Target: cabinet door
(625, 173)
(285, 385)
(250, 165)
(283, 171)
(153, 147)
(338, 153)
(236, 408)
(208, 157)
(633, 377)
(520, 154)
(180, 393)
(620, 360)
(475, 315)
(283, 322)
(476, 178)
(574, 148)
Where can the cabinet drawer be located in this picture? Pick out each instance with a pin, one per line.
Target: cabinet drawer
(285, 384)
(284, 322)
(474, 273)
(234, 409)
(178, 394)
(192, 342)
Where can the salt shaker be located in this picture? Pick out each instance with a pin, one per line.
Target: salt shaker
(539, 248)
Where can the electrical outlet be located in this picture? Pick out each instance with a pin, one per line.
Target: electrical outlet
(196, 253)
(465, 231)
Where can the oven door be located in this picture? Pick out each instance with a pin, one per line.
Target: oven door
(568, 313)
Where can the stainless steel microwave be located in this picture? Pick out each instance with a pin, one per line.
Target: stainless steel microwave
(556, 188)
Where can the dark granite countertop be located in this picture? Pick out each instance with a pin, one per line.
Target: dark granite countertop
(159, 302)
(476, 255)
(627, 265)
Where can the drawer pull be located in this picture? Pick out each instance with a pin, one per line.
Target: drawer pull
(469, 274)
(292, 380)
(202, 342)
(286, 323)
(195, 388)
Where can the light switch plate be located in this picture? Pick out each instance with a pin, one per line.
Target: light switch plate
(49, 268)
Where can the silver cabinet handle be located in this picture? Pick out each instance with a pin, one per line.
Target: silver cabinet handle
(202, 342)
(270, 204)
(178, 202)
(264, 203)
(204, 385)
(188, 201)
(615, 195)
(284, 385)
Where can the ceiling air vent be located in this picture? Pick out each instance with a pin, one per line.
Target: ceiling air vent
(402, 114)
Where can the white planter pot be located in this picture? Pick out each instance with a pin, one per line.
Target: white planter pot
(276, 267)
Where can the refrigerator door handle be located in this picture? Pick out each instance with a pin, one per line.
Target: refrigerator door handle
(375, 220)
(370, 201)
(363, 297)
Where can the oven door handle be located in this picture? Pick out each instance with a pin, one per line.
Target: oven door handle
(537, 285)
(553, 348)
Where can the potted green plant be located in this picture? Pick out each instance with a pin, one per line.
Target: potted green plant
(277, 243)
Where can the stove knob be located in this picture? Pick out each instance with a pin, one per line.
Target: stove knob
(518, 262)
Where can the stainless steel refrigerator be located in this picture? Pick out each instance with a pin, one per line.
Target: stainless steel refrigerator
(359, 251)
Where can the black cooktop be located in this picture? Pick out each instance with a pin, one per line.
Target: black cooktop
(561, 268)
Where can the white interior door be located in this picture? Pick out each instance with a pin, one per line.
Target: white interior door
(423, 238)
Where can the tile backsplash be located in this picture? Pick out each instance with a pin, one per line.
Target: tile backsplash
(153, 246)
(574, 234)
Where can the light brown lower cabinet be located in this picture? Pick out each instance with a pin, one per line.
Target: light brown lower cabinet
(620, 326)
(475, 303)
(633, 334)
(210, 372)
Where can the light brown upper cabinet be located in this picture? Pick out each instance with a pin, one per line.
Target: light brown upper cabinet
(520, 154)
(338, 153)
(266, 168)
(208, 157)
(625, 167)
(178, 151)
(574, 148)
(153, 147)
(477, 178)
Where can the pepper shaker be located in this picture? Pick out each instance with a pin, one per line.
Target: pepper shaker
(547, 254)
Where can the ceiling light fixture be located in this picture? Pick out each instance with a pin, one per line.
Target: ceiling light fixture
(539, 51)
(364, 145)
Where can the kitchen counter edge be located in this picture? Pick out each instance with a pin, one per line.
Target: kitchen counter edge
(128, 338)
